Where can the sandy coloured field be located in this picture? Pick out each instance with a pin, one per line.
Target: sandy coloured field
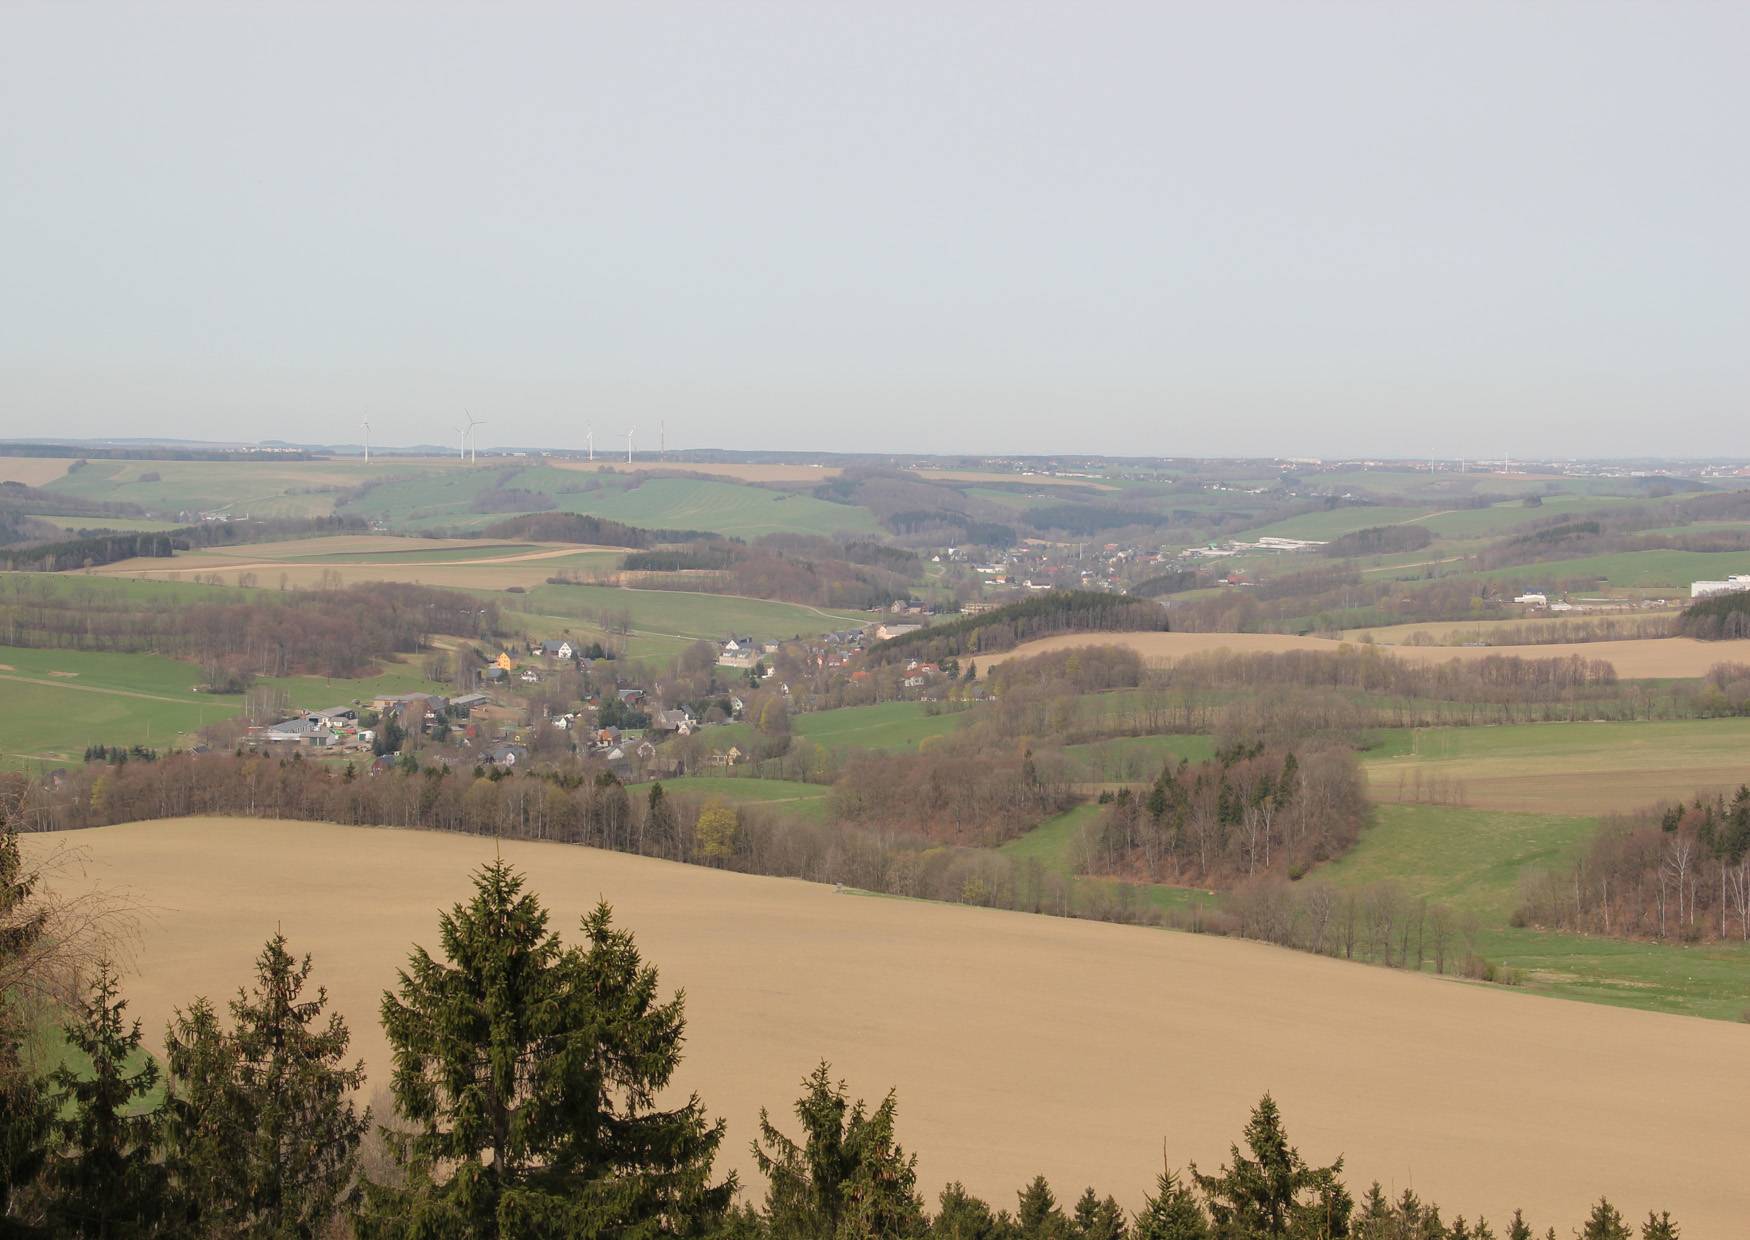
(402, 562)
(736, 472)
(1018, 1044)
(1635, 659)
(33, 471)
(1444, 630)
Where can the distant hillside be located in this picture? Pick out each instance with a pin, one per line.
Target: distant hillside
(1003, 628)
(91, 550)
(577, 528)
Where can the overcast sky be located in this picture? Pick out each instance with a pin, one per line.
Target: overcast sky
(1226, 228)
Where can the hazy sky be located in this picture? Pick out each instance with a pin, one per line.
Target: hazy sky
(1222, 228)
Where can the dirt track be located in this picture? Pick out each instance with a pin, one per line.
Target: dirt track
(1018, 1044)
(1635, 659)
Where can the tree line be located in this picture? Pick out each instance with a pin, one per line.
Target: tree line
(524, 1105)
(1004, 628)
(339, 632)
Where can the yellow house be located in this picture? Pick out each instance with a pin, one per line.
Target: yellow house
(505, 661)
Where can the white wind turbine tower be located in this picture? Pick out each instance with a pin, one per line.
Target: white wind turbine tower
(590, 440)
(462, 450)
(474, 453)
(367, 441)
(628, 445)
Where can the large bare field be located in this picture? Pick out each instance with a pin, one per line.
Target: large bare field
(33, 471)
(1640, 658)
(1018, 1044)
(306, 562)
(1447, 630)
(735, 472)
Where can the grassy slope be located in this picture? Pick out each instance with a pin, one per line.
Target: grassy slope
(1130, 758)
(678, 613)
(786, 796)
(138, 699)
(889, 725)
(1474, 860)
(1634, 569)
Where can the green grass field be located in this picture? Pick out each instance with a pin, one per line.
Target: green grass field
(1133, 758)
(60, 701)
(1574, 768)
(806, 801)
(1051, 841)
(1475, 860)
(449, 499)
(141, 524)
(888, 725)
(261, 487)
(677, 613)
(1672, 570)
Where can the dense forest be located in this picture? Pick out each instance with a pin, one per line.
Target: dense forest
(1677, 872)
(524, 1104)
(794, 568)
(340, 632)
(1720, 617)
(1004, 628)
(1251, 810)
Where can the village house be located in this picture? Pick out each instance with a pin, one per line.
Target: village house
(680, 722)
(557, 650)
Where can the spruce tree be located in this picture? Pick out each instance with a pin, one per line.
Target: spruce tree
(1605, 1223)
(1659, 1226)
(262, 1136)
(1037, 1215)
(1172, 1213)
(1273, 1192)
(848, 1177)
(1519, 1229)
(25, 1112)
(1097, 1219)
(102, 1179)
(528, 1072)
(961, 1216)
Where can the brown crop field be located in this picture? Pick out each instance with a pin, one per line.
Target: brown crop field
(33, 471)
(1446, 630)
(1636, 659)
(735, 472)
(1029, 1044)
(307, 562)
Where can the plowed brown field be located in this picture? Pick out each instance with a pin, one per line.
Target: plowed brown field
(1633, 660)
(1018, 1044)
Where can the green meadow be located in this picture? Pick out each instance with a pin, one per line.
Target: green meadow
(1475, 860)
(887, 725)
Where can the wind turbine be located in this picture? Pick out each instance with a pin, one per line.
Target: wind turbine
(462, 451)
(628, 445)
(367, 441)
(474, 453)
(590, 440)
